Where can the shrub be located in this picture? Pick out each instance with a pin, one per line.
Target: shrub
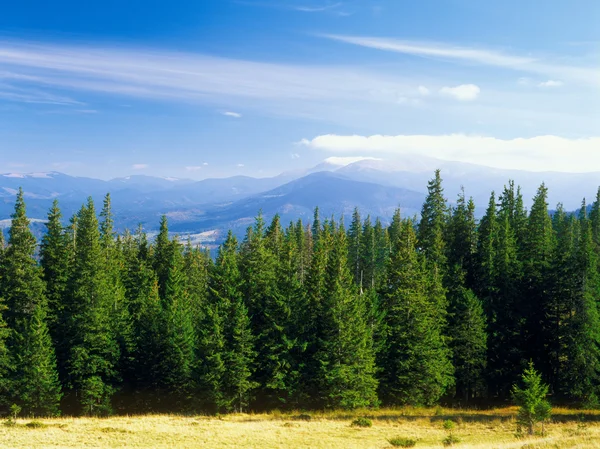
(449, 425)
(36, 425)
(450, 440)
(402, 442)
(362, 422)
(303, 417)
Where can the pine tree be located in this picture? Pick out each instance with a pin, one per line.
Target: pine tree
(462, 239)
(239, 359)
(228, 348)
(581, 373)
(467, 330)
(54, 258)
(431, 229)
(346, 356)
(506, 310)
(533, 406)
(35, 380)
(270, 316)
(162, 256)
(415, 363)
(121, 322)
(5, 362)
(179, 358)
(538, 253)
(355, 248)
(93, 346)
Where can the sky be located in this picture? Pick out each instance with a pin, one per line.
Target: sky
(199, 89)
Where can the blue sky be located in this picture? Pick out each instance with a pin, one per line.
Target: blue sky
(216, 88)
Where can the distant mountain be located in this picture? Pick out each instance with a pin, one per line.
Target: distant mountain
(414, 172)
(377, 187)
(336, 195)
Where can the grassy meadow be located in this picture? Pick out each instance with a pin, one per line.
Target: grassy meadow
(476, 429)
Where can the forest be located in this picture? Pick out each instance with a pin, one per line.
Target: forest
(302, 316)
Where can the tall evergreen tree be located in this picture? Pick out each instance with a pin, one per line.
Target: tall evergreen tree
(35, 380)
(415, 363)
(180, 338)
(162, 257)
(54, 258)
(270, 316)
(346, 356)
(94, 350)
(431, 229)
(581, 374)
(538, 253)
(355, 248)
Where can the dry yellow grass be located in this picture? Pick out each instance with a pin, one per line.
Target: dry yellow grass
(482, 429)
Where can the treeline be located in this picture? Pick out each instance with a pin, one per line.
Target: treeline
(307, 316)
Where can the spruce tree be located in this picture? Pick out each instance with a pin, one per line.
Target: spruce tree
(346, 356)
(415, 362)
(228, 349)
(581, 373)
(468, 341)
(431, 229)
(162, 256)
(112, 257)
(179, 358)
(538, 253)
(93, 346)
(270, 316)
(34, 382)
(355, 248)
(54, 259)
(37, 384)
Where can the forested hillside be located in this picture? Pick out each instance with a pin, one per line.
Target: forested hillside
(323, 314)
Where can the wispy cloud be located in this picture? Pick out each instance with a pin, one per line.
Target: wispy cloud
(295, 6)
(434, 50)
(586, 74)
(551, 83)
(322, 8)
(295, 156)
(193, 167)
(232, 114)
(240, 165)
(540, 153)
(464, 92)
(139, 166)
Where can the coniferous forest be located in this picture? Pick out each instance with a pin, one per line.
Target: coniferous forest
(313, 315)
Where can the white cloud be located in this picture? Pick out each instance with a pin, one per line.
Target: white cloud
(539, 153)
(240, 165)
(435, 49)
(139, 166)
(464, 92)
(193, 167)
(205, 163)
(423, 90)
(551, 83)
(295, 156)
(586, 74)
(232, 114)
(345, 160)
(316, 8)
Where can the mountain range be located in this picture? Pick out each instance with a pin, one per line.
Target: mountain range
(208, 207)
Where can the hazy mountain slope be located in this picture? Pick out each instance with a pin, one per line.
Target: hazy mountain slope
(478, 181)
(334, 194)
